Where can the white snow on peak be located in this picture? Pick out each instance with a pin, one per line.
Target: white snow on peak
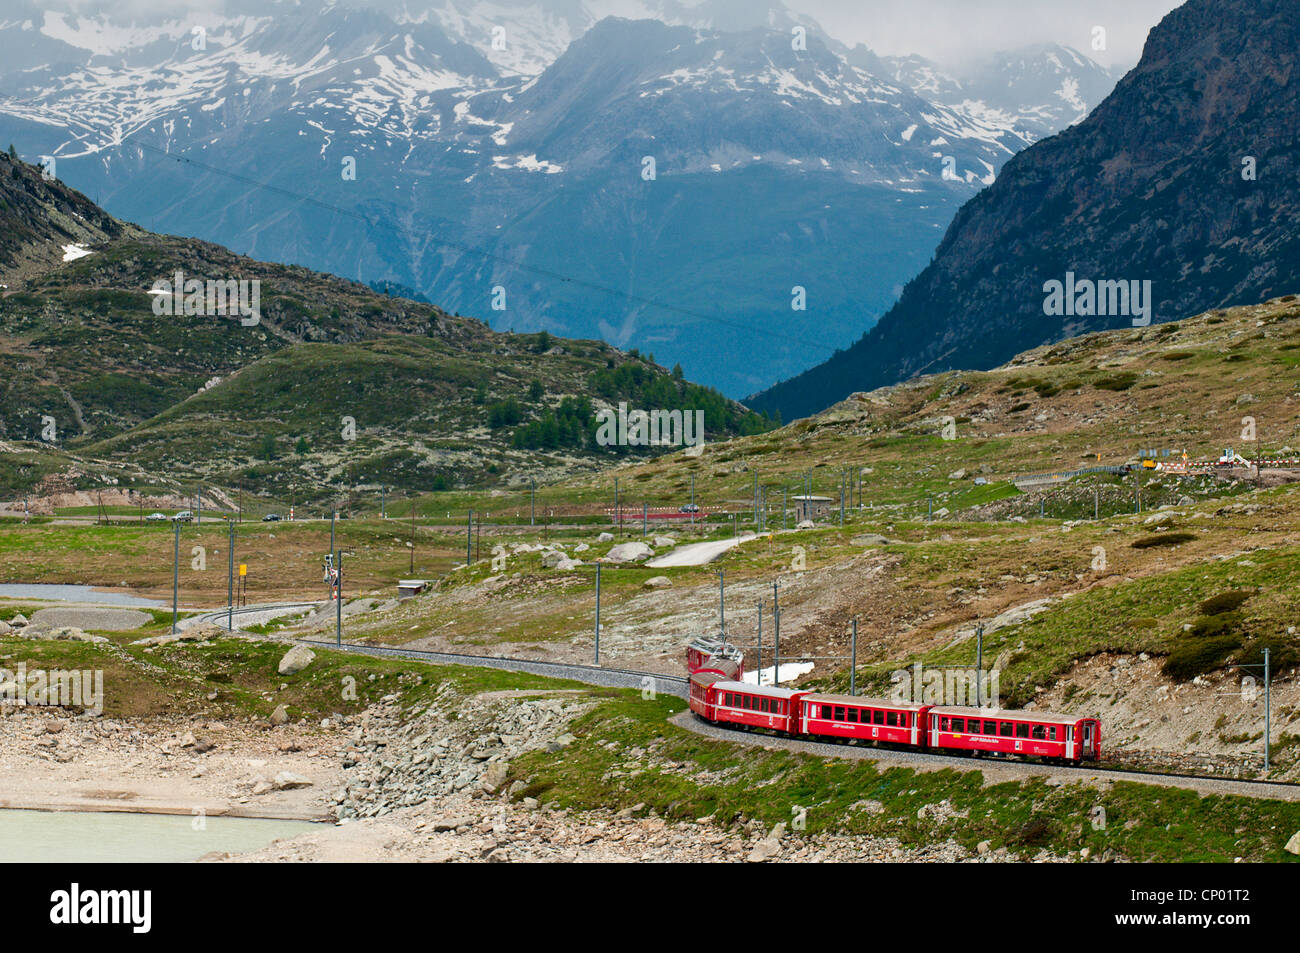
(528, 163)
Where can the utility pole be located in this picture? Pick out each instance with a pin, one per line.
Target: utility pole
(722, 604)
(853, 654)
(597, 613)
(1267, 712)
(756, 527)
(692, 499)
(645, 518)
(469, 536)
(198, 506)
(412, 536)
(979, 665)
(230, 579)
(785, 512)
(776, 625)
(758, 668)
(176, 570)
(532, 503)
(331, 529)
(338, 600)
(618, 514)
(1096, 503)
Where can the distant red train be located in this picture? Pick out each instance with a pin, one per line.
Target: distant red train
(718, 695)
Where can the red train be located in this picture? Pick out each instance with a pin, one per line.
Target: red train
(717, 695)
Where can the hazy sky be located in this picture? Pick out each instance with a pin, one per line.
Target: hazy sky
(945, 30)
(948, 30)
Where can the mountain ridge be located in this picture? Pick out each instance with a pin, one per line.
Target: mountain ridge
(1150, 186)
(814, 160)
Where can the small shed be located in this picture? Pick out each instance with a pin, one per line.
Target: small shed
(410, 587)
(812, 507)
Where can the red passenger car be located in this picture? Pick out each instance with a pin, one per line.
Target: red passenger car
(852, 716)
(1015, 732)
(701, 697)
(756, 706)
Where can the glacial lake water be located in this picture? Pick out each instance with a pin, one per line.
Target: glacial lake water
(35, 837)
(51, 591)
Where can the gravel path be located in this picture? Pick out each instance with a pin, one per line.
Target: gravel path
(993, 771)
(698, 554)
(103, 620)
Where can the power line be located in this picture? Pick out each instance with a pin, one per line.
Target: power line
(469, 249)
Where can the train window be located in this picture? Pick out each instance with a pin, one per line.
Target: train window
(853, 715)
(726, 699)
(1022, 730)
(958, 724)
(903, 719)
(1006, 729)
(891, 719)
(943, 724)
(990, 727)
(839, 712)
(1051, 732)
(1039, 734)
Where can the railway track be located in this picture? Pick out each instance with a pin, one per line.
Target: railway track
(678, 686)
(824, 748)
(590, 674)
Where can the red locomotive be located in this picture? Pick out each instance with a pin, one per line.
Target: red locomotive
(719, 696)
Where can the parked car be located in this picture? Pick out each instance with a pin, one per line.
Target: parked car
(156, 517)
(184, 516)
(689, 508)
(271, 518)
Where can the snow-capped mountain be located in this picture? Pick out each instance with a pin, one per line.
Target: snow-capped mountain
(706, 156)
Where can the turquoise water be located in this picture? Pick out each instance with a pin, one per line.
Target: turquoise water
(64, 593)
(91, 837)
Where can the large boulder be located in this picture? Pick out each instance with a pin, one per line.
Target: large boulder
(869, 539)
(296, 659)
(1293, 845)
(553, 558)
(495, 776)
(287, 781)
(664, 541)
(629, 553)
(657, 582)
(605, 538)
